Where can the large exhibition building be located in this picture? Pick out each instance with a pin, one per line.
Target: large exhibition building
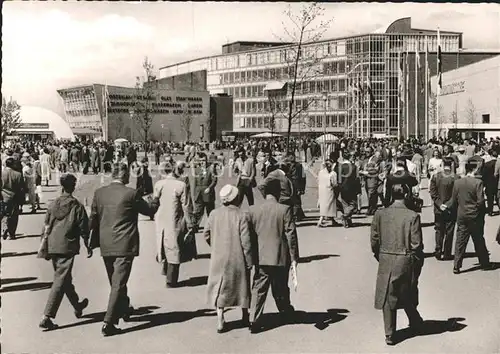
(469, 100)
(389, 64)
(110, 112)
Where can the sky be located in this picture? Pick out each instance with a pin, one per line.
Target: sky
(51, 45)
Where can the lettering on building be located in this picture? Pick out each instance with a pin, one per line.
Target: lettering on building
(455, 87)
(34, 126)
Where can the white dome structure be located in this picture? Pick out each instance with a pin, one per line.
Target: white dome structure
(43, 121)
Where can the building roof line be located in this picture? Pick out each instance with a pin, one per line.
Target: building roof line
(251, 51)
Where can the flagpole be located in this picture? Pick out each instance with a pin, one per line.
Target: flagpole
(407, 96)
(417, 54)
(438, 91)
(399, 96)
(426, 123)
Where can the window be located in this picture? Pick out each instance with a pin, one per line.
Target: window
(237, 77)
(236, 107)
(327, 124)
(319, 121)
(486, 118)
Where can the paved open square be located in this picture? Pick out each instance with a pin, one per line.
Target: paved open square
(334, 298)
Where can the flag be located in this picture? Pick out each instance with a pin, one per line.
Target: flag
(426, 65)
(400, 76)
(439, 65)
(369, 91)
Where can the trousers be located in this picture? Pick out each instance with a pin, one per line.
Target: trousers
(246, 190)
(171, 273)
(62, 285)
(118, 270)
(390, 317)
(348, 207)
(199, 207)
(275, 277)
(372, 195)
(444, 225)
(10, 217)
(474, 228)
(491, 199)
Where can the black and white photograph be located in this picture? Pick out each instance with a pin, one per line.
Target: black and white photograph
(250, 177)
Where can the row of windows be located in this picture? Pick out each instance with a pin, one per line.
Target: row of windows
(330, 121)
(82, 112)
(333, 103)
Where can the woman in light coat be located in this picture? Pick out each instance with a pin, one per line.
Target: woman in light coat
(45, 166)
(174, 233)
(227, 231)
(327, 182)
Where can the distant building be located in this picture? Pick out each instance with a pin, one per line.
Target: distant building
(93, 113)
(470, 100)
(39, 123)
(245, 71)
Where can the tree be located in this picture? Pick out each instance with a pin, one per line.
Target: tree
(303, 61)
(186, 123)
(144, 99)
(454, 118)
(470, 113)
(433, 114)
(11, 116)
(209, 126)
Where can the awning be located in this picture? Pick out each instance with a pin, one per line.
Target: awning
(84, 131)
(31, 131)
(275, 85)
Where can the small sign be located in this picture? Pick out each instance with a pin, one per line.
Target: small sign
(228, 138)
(34, 126)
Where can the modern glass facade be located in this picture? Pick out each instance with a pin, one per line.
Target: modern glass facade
(371, 60)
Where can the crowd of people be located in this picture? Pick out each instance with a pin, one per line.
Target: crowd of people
(460, 174)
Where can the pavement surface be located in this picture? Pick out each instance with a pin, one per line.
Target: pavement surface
(334, 298)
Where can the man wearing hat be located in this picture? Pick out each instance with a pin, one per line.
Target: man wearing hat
(349, 187)
(462, 160)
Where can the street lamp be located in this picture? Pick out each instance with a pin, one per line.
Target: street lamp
(325, 100)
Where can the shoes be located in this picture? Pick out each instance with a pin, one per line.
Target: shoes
(47, 324)
(335, 223)
(389, 340)
(171, 285)
(221, 327)
(245, 319)
(11, 237)
(109, 330)
(254, 328)
(456, 270)
(447, 258)
(82, 305)
(438, 256)
(5, 235)
(128, 313)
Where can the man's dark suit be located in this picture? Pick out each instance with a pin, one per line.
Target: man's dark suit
(491, 184)
(276, 245)
(202, 201)
(441, 190)
(298, 179)
(468, 200)
(13, 188)
(371, 167)
(113, 221)
(349, 187)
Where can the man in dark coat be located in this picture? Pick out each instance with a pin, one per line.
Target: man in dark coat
(95, 159)
(85, 156)
(371, 172)
(131, 156)
(75, 158)
(65, 222)
(349, 188)
(286, 186)
(396, 242)
(12, 197)
(441, 189)
(490, 182)
(202, 182)
(275, 241)
(468, 199)
(297, 176)
(113, 222)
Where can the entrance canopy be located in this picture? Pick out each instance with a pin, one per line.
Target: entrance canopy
(327, 138)
(266, 135)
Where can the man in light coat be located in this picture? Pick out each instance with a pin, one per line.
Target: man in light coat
(174, 227)
(396, 242)
(276, 245)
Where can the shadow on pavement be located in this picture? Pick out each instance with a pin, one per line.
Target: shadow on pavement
(20, 254)
(467, 255)
(431, 327)
(193, 281)
(494, 266)
(320, 320)
(99, 316)
(30, 286)
(28, 236)
(316, 257)
(16, 280)
(159, 319)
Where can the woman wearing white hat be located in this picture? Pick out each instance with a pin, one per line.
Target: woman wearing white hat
(228, 234)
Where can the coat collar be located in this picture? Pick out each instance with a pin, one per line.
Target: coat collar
(399, 204)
